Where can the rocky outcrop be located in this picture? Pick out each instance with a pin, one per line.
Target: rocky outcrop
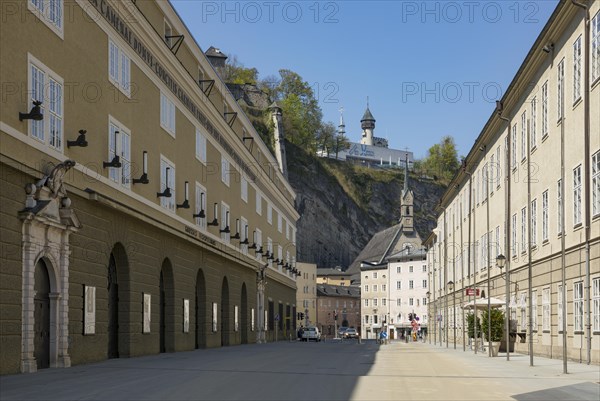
(343, 205)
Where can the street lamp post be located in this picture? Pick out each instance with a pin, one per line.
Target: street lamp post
(428, 295)
(260, 295)
(451, 288)
(501, 262)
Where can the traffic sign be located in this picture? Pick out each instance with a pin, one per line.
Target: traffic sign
(472, 291)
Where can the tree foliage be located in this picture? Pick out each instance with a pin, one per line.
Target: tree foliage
(235, 72)
(442, 160)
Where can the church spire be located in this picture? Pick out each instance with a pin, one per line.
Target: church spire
(406, 174)
(342, 126)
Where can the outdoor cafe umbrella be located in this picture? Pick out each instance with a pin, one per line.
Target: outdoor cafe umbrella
(482, 303)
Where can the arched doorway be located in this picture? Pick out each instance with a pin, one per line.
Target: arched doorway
(41, 300)
(225, 312)
(244, 314)
(113, 309)
(166, 300)
(200, 306)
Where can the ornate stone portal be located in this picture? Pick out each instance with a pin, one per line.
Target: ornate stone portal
(48, 221)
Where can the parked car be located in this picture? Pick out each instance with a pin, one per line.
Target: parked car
(342, 330)
(311, 333)
(351, 333)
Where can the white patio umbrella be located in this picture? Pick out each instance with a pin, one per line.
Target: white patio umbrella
(482, 303)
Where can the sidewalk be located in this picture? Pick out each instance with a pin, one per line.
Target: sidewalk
(420, 371)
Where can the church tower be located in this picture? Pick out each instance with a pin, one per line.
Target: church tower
(407, 204)
(368, 125)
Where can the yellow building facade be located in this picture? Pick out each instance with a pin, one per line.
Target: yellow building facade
(141, 212)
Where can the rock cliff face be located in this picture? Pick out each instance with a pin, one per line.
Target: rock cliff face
(342, 205)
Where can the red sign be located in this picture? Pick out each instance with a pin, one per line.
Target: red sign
(472, 291)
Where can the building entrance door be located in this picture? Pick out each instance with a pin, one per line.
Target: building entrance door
(163, 348)
(41, 317)
(113, 309)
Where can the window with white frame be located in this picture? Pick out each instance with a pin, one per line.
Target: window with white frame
(399, 302)
(596, 184)
(279, 256)
(119, 68)
(545, 216)
(523, 135)
(200, 146)
(577, 195)
(47, 88)
(411, 301)
(374, 274)
(560, 88)
(523, 305)
(287, 229)
(514, 147)
(424, 268)
(258, 203)
(497, 243)
(279, 222)
(167, 180)
(167, 114)
(533, 130)
(269, 213)
(424, 283)
(366, 287)
(559, 305)
(596, 304)
(383, 302)
(523, 229)
(534, 222)
(225, 170)
(50, 12)
(383, 287)
(119, 144)
(398, 285)
(375, 287)
(559, 206)
(259, 243)
(534, 311)
(545, 109)
(375, 301)
(492, 173)
(366, 316)
(577, 69)
(499, 168)
(244, 188)
(270, 249)
(366, 302)
(578, 306)
(424, 301)
(411, 284)
(410, 269)
(546, 309)
(484, 182)
(200, 205)
(595, 34)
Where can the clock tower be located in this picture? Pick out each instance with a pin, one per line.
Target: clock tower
(407, 204)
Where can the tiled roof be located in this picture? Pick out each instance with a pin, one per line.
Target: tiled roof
(327, 290)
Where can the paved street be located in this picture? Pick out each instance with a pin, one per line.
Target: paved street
(314, 371)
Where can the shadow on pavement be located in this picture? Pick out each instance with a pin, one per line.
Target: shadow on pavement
(575, 392)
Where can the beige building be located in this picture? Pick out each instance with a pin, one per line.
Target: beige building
(548, 227)
(306, 295)
(333, 276)
(141, 212)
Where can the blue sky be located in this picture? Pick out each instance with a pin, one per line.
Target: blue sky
(429, 68)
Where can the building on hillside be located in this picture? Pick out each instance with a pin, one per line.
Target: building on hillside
(548, 228)
(306, 294)
(370, 151)
(136, 217)
(335, 276)
(371, 270)
(337, 306)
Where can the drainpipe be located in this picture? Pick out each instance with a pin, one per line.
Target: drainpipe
(529, 245)
(586, 85)
(471, 286)
(499, 108)
(462, 277)
(445, 275)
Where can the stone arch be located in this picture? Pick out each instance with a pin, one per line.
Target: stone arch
(166, 308)
(225, 323)
(244, 314)
(200, 310)
(117, 288)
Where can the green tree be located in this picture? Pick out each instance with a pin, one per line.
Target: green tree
(235, 72)
(442, 160)
(497, 324)
(341, 143)
(326, 138)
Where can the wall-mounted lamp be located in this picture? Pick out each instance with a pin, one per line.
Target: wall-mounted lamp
(253, 246)
(167, 192)
(280, 263)
(215, 222)
(451, 285)
(115, 162)
(237, 229)
(201, 214)
(186, 202)
(35, 113)
(276, 261)
(144, 178)
(80, 141)
(226, 230)
(548, 48)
